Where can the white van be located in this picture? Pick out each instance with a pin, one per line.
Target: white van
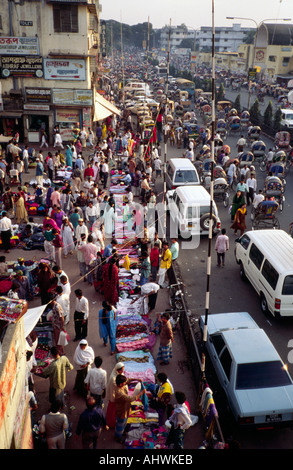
(287, 118)
(137, 86)
(266, 260)
(181, 171)
(189, 209)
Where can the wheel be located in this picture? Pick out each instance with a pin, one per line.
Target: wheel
(276, 224)
(242, 272)
(178, 305)
(263, 165)
(205, 222)
(263, 304)
(226, 199)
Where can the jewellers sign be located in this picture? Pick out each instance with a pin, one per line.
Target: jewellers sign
(64, 69)
(19, 46)
(27, 66)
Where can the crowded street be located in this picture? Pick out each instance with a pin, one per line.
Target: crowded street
(146, 238)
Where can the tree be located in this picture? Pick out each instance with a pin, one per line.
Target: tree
(237, 104)
(220, 95)
(255, 112)
(268, 115)
(277, 119)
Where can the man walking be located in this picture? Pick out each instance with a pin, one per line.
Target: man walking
(56, 372)
(80, 315)
(90, 424)
(221, 246)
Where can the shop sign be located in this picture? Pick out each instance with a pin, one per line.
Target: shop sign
(67, 96)
(64, 69)
(28, 66)
(67, 115)
(86, 117)
(103, 39)
(19, 46)
(37, 95)
(36, 107)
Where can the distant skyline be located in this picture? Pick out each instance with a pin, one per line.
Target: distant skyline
(194, 13)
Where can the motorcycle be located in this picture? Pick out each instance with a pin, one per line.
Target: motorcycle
(176, 303)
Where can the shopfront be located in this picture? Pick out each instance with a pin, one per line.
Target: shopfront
(38, 117)
(73, 111)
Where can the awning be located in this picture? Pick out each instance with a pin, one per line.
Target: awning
(100, 112)
(11, 114)
(31, 318)
(102, 101)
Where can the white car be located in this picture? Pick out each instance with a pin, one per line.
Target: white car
(256, 382)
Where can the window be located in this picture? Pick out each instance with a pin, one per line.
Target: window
(261, 375)
(185, 176)
(270, 274)
(65, 18)
(272, 58)
(288, 286)
(226, 362)
(256, 256)
(192, 212)
(218, 342)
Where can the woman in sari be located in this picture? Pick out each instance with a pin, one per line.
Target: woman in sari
(237, 201)
(110, 281)
(107, 325)
(110, 394)
(83, 357)
(239, 221)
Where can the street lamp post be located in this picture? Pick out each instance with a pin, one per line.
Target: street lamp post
(255, 39)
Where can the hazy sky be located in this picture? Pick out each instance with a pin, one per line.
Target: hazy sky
(194, 13)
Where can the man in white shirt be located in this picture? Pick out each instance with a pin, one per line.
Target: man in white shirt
(231, 173)
(91, 213)
(96, 381)
(251, 185)
(81, 315)
(241, 144)
(105, 171)
(81, 229)
(5, 230)
(25, 157)
(258, 198)
(157, 167)
(63, 300)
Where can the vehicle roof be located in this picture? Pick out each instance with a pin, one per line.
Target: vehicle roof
(181, 163)
(277, 245)
(192, 194)
(230, 320)
(250, 345)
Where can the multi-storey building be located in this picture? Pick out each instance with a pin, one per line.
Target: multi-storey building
(227, 39)
(49, 54)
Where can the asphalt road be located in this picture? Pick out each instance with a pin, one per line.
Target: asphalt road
(229, 293)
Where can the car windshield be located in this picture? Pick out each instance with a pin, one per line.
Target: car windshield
(261, 375)
(185, 176)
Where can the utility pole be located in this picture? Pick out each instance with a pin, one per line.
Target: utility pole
(166, 120)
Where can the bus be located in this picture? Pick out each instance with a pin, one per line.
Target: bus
(186, 85)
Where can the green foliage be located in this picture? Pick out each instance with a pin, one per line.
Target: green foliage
(277, 120)
(255, 112)
(132, 36)
(268, 114)
(237, 104)
(220, 95)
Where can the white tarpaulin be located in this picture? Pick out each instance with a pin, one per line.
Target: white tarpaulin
(102, 101)
(31, 318)
(100, 112)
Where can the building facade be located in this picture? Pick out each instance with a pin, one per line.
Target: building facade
(227, 39)
(49, 53)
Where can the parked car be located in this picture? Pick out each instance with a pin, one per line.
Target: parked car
(254, 378)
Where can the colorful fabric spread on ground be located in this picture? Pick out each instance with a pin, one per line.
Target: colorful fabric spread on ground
(134, 340)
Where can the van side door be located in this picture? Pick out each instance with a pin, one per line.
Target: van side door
(254, 263)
